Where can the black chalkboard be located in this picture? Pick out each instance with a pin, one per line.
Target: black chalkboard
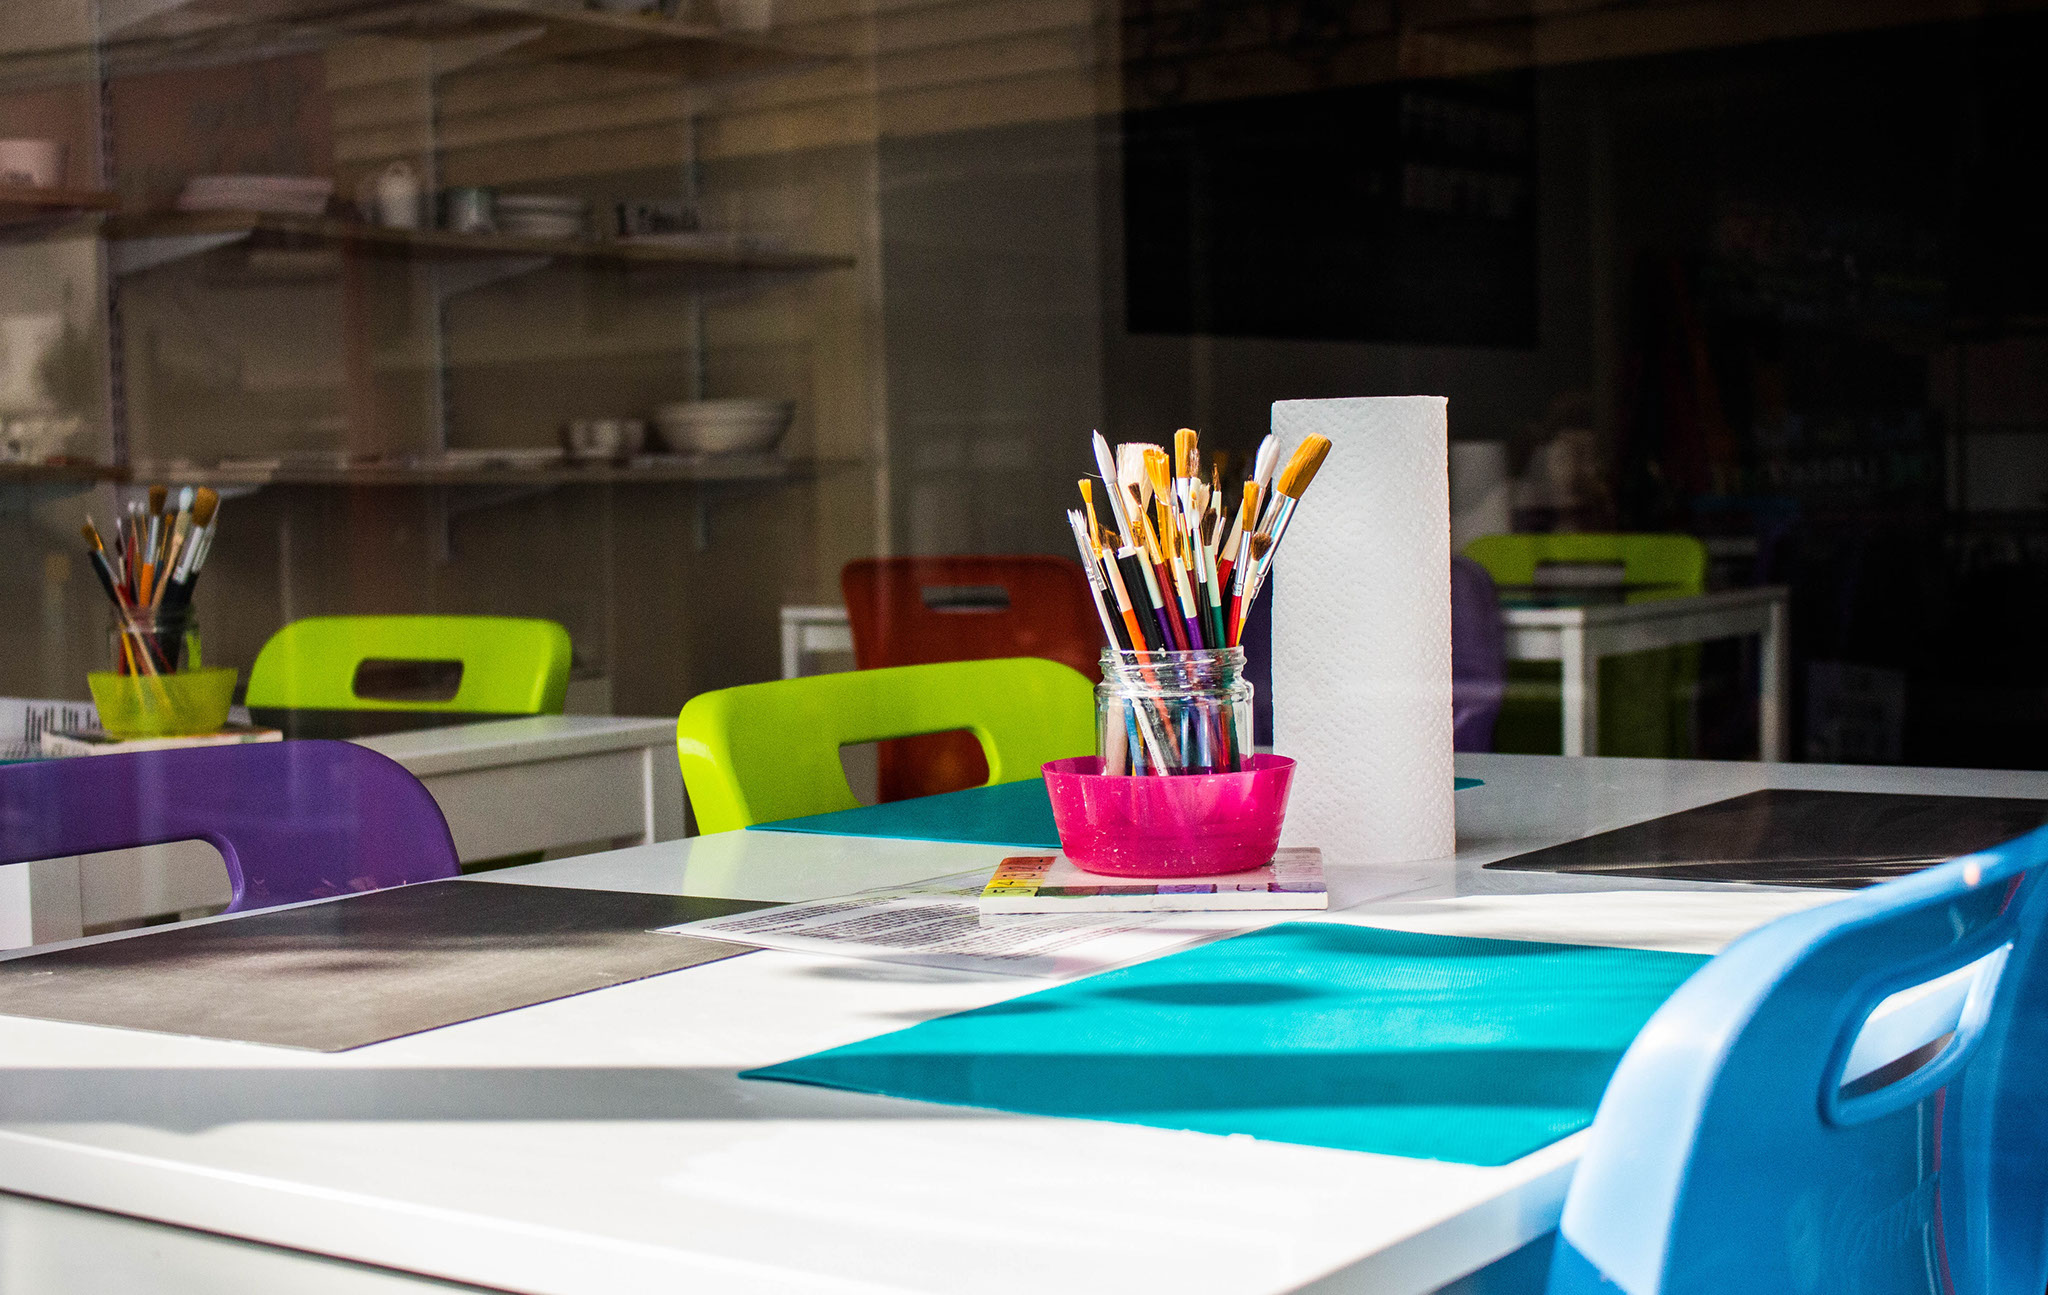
(1838, 839)
(361, 969)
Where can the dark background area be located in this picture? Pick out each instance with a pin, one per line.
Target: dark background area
(1818, 321)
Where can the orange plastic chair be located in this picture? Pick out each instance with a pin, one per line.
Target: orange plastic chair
(917, 611)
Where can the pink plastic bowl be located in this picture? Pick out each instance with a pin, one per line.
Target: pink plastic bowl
(1186, 825)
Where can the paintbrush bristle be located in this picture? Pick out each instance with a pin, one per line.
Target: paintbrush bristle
(157, 495)
(1260, 543)
(1301, 469)
(1158, 471)
(1184, 442)
(1130, 464)
(204, 504)
(92, 536)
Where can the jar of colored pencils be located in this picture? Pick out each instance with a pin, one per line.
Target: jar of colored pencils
(153, 642)
(158, 687)
(1173, 712)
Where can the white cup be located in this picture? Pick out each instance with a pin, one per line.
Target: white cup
(33, 163)
(391, 197)
(746, 15)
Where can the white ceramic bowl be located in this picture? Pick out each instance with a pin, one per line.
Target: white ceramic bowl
(732, 426)
(596, 440)
(564, 203)
(34, 163)
(535, 225)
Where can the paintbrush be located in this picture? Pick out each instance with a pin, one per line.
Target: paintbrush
(1107, 467)
(135, 644)
(1287, 492)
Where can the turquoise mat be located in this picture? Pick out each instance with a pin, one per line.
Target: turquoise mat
(1010, 813)
(1434, 1046)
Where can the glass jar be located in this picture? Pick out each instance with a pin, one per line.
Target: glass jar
(171, 640)
(1173, 712)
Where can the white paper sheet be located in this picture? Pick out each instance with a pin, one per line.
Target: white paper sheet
(24, 720)
(939, 924)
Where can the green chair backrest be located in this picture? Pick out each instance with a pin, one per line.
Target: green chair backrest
(510, 665)
(1646, 698)
(1679, 561)
(769, 751)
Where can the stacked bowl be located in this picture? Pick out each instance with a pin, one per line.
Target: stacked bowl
(731, 426)
(542, 215)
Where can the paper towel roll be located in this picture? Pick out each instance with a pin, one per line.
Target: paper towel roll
(1361, 595)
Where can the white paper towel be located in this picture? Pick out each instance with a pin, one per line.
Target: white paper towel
(1361, 593)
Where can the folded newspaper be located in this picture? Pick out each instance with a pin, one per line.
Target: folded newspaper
(939, 923)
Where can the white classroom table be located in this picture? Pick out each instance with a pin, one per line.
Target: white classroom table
(603, 1144)
(1577, 638)
(543, 782)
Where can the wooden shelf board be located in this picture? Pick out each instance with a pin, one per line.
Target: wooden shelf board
(60, 473)
(705, 470)
(663, 46)
(21, 205)
(433, 244)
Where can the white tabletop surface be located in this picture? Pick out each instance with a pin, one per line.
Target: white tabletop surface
(1681, 606)
(483, 744)
(603, 1143)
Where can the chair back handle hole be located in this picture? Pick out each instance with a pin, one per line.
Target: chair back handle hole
(965, 598)
(386, 679)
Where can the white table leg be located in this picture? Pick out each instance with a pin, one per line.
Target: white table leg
(40, 902)
(661, 786)
(792, 642)
(1581, 679)
(1775, 667)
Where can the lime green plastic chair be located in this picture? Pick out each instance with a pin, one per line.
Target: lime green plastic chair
(769, 751)
(1646, 698)
(510, 665)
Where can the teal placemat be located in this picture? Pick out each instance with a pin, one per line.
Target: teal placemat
(1010, 813)
(1445, 1048)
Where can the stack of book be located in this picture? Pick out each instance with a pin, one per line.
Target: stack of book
(93, 741)
(1052, 883)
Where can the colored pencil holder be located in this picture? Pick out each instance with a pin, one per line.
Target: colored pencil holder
(1191, 825)
(1186, 713)
(168, 639)
(158, 686)
(163, 705)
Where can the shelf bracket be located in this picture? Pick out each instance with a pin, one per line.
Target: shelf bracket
(453, 278)
(134, 255)
(451, 502)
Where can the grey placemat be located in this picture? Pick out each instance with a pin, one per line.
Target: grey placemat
(366, 968)
(1781, 837)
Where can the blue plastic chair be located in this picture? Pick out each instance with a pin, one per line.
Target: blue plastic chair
(1761, 1137)
(292, 820)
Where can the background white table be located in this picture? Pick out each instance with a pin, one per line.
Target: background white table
(604, 1143)
(547, 782)
(1575, 637)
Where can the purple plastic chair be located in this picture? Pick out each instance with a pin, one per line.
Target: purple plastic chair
(292, 820)
(1479, 669)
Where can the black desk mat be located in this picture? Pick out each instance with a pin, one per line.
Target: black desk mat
(366, 968)
(1839, 839)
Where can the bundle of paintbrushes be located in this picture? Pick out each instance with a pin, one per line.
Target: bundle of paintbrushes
(1175, 573)
(150, 570)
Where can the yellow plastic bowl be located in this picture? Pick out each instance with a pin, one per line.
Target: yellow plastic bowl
(170, 705)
